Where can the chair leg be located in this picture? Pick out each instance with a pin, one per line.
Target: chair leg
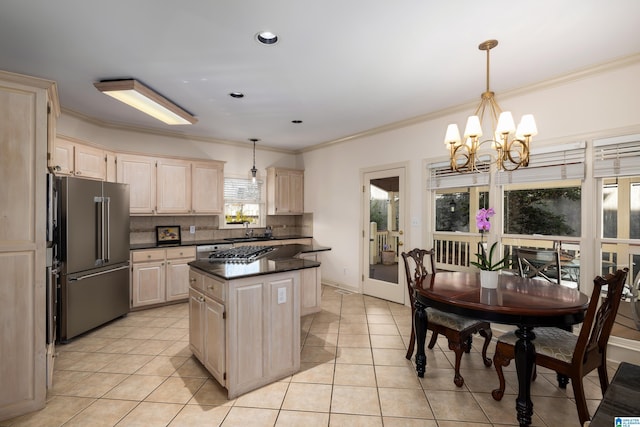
(487, 334)
(432, 341)
(581, 401)
(500, 359)
(458, 348)
(412, 342)
(604, 377)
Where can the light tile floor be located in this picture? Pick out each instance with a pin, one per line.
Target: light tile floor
(139, 371)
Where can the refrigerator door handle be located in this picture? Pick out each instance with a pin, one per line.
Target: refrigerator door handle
(106, 229)
(87, 276)
(99, 230)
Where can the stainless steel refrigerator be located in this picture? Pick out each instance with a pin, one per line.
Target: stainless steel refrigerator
(93, 240)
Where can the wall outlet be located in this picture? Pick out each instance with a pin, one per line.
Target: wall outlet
(282, 295)
(192, 229)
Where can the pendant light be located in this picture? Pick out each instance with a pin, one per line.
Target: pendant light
(254, 171)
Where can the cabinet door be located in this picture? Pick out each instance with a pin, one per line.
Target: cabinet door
(147, 283)
(207, 190)
(173, 186)
(23, 153)
(178, 278)
(63, 157)
(196, 323)
(89, 162)
(282, 324)
(283, 191)
(140, 173)
(111, 167)
(296, 192)
(215, 340)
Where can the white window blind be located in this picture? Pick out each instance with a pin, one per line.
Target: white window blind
(441, 176)
(239, 190)
(549, 164)
(619, 156)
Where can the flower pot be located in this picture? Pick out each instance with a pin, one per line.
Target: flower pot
(388, 257)
(489, 279)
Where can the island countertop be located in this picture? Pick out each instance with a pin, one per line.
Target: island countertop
(281, 259)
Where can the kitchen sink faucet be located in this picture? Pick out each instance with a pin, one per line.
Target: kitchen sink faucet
(248, 233)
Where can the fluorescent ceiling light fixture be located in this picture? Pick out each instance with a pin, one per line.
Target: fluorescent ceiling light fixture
(139, 96)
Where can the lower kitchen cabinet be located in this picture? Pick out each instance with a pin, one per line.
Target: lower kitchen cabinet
(207, 333)
(246, 332)
(160, 275)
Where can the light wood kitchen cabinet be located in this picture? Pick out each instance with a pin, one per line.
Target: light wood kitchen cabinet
(310, 286)
(207, 188)
(165, 186)
(28, 108)
(74, 158)
(63, 163)
(251, 328)
(160, 275)
(147, 277)
(173, 186)
(140, 173)
(111, 166)
(177, 272)
(285, 191)
(215, 339)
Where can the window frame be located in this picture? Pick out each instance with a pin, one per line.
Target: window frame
(262, 216)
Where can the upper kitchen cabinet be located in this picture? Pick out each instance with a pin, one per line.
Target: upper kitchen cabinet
(28, 110)
(173, 186)
(207, 187)
(164, 186)
(74, 158)
(285, 191)
(140, 173)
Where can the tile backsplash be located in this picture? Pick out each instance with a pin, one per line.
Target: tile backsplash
(143, 228)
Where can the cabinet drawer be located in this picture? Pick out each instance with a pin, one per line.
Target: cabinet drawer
(147, 255)
(196, 280)
(214, 288)
(181, 252)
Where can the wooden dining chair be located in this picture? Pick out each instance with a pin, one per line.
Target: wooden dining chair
(542, 264)
(457, 329)
(568, 354)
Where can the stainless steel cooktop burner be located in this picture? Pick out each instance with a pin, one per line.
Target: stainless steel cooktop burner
(244, 254)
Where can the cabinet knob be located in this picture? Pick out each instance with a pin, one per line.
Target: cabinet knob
(210, 287)
(148, 256)
(193, 279)
(79, 173)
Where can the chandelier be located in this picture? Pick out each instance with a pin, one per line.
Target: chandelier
(510, 143)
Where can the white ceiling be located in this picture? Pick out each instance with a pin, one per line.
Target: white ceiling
(342, 66)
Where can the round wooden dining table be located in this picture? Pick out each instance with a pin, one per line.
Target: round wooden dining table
(525, 303)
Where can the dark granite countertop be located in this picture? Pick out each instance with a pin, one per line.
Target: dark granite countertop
(215, 242)
(280, 260)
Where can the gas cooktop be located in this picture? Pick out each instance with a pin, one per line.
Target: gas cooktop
(243, 254)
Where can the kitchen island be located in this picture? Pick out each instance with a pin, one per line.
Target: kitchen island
(244, 318)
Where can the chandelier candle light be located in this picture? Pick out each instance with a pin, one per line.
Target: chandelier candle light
(510, 153)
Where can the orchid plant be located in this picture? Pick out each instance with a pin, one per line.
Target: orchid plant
(486, 262)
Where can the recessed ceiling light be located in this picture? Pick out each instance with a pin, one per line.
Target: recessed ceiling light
(267, 37)
(236, 95)
(296, 121)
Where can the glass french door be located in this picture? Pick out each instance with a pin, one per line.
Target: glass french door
(383, 235)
